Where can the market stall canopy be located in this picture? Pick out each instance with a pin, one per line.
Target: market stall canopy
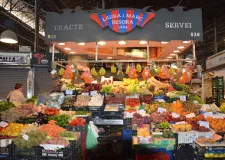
(113, 25)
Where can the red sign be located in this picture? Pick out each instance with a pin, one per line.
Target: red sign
(122, 20)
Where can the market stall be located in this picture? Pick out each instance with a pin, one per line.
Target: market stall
(120, 87)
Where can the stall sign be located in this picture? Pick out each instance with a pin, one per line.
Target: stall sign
(14, 58)
(124, 24)
(122, 20)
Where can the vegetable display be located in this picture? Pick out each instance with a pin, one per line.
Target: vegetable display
(51, 129)
(78, 122)
(5, 105)
(82, 101)
(62, 120)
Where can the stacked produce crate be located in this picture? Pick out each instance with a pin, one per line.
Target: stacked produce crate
(217, 89)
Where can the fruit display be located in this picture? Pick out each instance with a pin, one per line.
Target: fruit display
(217, 124)
(92, 87)
(13, 129)
(96, 100)
(195, 98)
(190, 107)
(132, 103)
(140, 120)
(82, 101)
(78, 122)
(158, 117)
(146, 99)
(56, 85)
(222, 107)
(164, 125)
(34, 138)
(177, 107)
(181, 127)
(139, 68)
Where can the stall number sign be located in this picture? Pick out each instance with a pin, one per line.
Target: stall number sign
(12, 59)
(122, 20)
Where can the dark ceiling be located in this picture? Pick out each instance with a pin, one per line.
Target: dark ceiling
(213, 11)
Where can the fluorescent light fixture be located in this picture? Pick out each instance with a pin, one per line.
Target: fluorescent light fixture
(9, 36)
(81, 43)
(172, 54)
(143, 42)
(61, 44)
(122, 42)
(67, 49)
(176, 51)
(164, 42)
(180, 47)
(169, 57)
(72, 52)
(185, 42)
(101, 42)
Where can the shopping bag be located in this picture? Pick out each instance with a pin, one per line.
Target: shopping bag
(92, 135)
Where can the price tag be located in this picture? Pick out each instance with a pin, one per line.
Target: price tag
(25, 137)
(183, 98)
(3, 124)
(191, 115)
(161, 110)
(133, 96)
(204, 124)
(208, 114)
(85, 93)
(160, 100)
(94, 93)
(73, 70)
(69, 92)
(53, 71)
(175, 115)
(181, 122)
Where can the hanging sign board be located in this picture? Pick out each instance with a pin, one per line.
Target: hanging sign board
(125, 24)
(14, 58)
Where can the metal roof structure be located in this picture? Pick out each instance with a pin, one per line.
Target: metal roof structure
(22, 13)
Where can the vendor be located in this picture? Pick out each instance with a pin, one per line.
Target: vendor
(16, 96)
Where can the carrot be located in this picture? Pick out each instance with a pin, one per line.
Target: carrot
(52, 129)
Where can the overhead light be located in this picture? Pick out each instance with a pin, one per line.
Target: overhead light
(172, 54)
(164, 42)
(180, 47)
(143, 42)
(72, 52)
(109, 57)
(185, 42)
(169, 57)
(9, 36)
(176, 51)
(67, 49)
(122, 42)
(101, 42)
(61, 44)
(81, 43)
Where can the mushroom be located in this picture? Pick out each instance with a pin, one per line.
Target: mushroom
(39, 57)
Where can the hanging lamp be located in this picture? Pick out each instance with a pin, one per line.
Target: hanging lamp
(8, 36)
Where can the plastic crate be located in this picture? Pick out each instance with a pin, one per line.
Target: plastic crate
(5, 152)
(153, 156)
(24, 154)
(77, 129)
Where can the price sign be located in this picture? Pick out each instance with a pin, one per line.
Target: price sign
(25, 137)
(175, 115)
(160, 100)
(183, 98)
(181, 122)
(204, 124)
(53, 71)
(208, 114)
(161, 110)
(3, 124)
(94, 93)
(85, 93)
(69, 92)
(191, 115)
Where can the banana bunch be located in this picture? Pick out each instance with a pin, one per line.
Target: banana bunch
(61, 71)
(128, 69)
(113, 69)
(94, 72)
(139, 68)
(102, 71)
